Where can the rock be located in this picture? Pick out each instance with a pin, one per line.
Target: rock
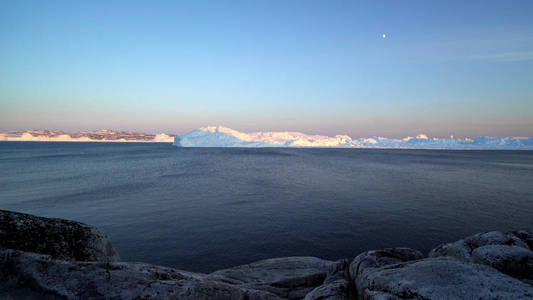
(438, 278)
(338, 270)
(60, 259)
(336, 290)
(379, 258)
(44, 276)
(459, 250)
(288, 277)
(494, 238)
(462, 249)
(512, 260)
(59, 238)
(337, 284)
(507, 252)
(525, 236)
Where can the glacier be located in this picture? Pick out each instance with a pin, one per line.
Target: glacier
(220, 136)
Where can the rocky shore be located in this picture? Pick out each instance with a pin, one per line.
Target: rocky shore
(42, 258)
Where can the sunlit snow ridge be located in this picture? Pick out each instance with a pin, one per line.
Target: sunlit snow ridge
(219, 136)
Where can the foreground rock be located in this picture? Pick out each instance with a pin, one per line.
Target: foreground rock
(373, 259)
(509, 253)
(58, 279)
(55, 259)
(336, 286)
(438, 278)
(59, 238)
(288, 277)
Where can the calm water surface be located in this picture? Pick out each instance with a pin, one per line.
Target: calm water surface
(203, 209)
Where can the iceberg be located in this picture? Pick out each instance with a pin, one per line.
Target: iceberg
(207, 137)
(220, 136)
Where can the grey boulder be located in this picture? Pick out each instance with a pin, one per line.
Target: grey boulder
(48, 278)
(61, 239)
(509, 252)
(373, 259)
(287, 277)
(437, 278)
(511, 260)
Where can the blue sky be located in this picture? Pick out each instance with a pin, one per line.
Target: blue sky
(446, 67)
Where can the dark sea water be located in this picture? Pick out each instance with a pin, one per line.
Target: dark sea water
(202, 209)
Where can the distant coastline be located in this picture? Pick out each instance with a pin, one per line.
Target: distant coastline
(219, 136)
(103, 135)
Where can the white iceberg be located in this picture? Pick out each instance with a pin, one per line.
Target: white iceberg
(219, 136)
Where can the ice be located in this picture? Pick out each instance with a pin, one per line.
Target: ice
(219, 136)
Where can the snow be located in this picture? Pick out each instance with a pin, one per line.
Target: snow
(163, 138)
(102, 135)
(27, 137)
(219, 136)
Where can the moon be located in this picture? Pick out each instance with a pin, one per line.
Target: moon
(384, 36)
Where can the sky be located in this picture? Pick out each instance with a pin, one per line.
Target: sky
(462, 68)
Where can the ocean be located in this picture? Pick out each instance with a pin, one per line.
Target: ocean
(204, 209)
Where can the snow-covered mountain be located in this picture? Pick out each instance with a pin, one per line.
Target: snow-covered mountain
(103, 135)
(219, 136)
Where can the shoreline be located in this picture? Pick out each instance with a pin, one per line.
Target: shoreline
(275, 147)
(63, 259)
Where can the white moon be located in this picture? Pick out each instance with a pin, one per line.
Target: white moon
(383, 35)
